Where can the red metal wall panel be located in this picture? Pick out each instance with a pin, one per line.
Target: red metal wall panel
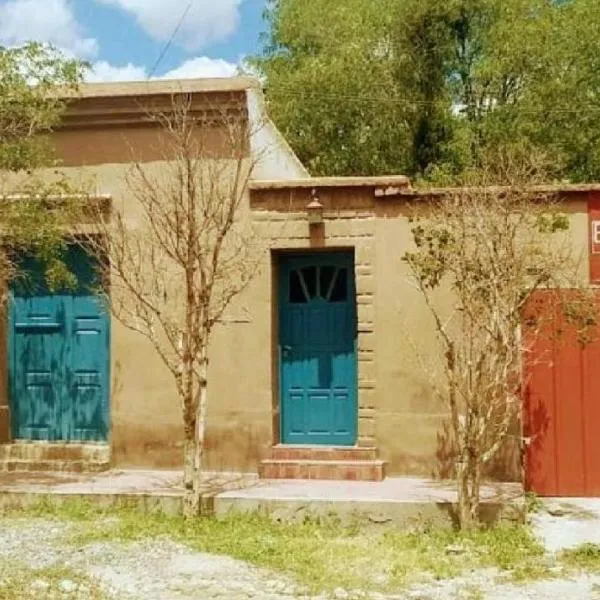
(539, 415)
(592, 420)
(562, 412)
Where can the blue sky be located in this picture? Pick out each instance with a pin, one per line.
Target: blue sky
(122, 39)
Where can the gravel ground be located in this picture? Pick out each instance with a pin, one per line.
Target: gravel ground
(163, 570)
(484, 585)
(568, 524)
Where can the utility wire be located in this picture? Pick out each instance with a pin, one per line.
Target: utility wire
(295, 92)
(170, 41)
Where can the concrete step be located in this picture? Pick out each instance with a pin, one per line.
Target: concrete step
(13, 465)
(50, 451)
(337, 470)
(290, 452)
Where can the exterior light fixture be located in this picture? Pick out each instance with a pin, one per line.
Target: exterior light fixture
(314, 210)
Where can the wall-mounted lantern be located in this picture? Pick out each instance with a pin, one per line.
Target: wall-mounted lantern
(314, 210)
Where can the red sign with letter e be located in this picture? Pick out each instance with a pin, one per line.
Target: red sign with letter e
(594, 229)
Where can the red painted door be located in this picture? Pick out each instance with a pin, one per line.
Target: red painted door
(562, 410)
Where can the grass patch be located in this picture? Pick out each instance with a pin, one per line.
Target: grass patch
(533, 504)
(322, 555)
(319, 555)
(68, 510)
(18, 582)
(583, 558)
(445, 553)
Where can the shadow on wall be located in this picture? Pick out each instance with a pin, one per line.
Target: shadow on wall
(116, 384)
(236, 447)
(537, 423)
(505, 466)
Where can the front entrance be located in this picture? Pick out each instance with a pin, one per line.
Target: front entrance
(59, 357)
(317, 342)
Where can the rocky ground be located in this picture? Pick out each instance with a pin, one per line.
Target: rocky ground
(160, 569)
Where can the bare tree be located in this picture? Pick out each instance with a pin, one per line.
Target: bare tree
(183, 252)
(481, 253)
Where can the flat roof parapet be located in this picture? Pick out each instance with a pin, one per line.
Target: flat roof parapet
(394, 181)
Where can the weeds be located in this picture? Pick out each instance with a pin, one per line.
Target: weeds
(321, 555)
(23, 583)
(533, 504)
(446, 553)
(584, 558)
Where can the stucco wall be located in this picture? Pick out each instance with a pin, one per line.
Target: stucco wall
(146, 420)
(396, 342)
(398, 350)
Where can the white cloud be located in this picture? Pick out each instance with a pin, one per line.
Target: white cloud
(202, 66)
(103, 71)
(206, 22)
(49, 21)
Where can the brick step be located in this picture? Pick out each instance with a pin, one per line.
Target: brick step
(12, 465)
(290, 452)
(48, 451)
(336, 470)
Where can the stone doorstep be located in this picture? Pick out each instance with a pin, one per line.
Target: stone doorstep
(290, 452)
(12, 465)
(28, 457)
(43, 451)
(341, 470)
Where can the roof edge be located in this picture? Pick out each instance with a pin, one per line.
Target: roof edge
(550, 188)
(395, 181)
(161, 87)
(400, 186)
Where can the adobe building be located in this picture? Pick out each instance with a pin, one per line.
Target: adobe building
(314, 372)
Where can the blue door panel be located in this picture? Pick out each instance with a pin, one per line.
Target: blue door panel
(88, 369)
(38, 407)
(59, 358)
(317, 317)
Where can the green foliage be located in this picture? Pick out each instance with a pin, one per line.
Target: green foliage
(434, 244)
(585, 558)
(552, 223)
(445, 553)
(429, 89)
(34, 80)
(533, 504)
(29, 103)
(330, 88)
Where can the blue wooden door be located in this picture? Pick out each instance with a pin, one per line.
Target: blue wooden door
(59, 357)
(317, 324)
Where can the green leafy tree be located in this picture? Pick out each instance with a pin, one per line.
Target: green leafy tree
(330, 87)
(431, 88)
(34, 83)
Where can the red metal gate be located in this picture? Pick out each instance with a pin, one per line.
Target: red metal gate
(562, 413)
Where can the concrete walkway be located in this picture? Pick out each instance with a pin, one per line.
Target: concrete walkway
(397, 499)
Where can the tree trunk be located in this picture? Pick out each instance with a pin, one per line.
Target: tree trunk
(201, 410)
(189, 451)
(465, 516)
(194, 448)
(468, 479)
(475, 474)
